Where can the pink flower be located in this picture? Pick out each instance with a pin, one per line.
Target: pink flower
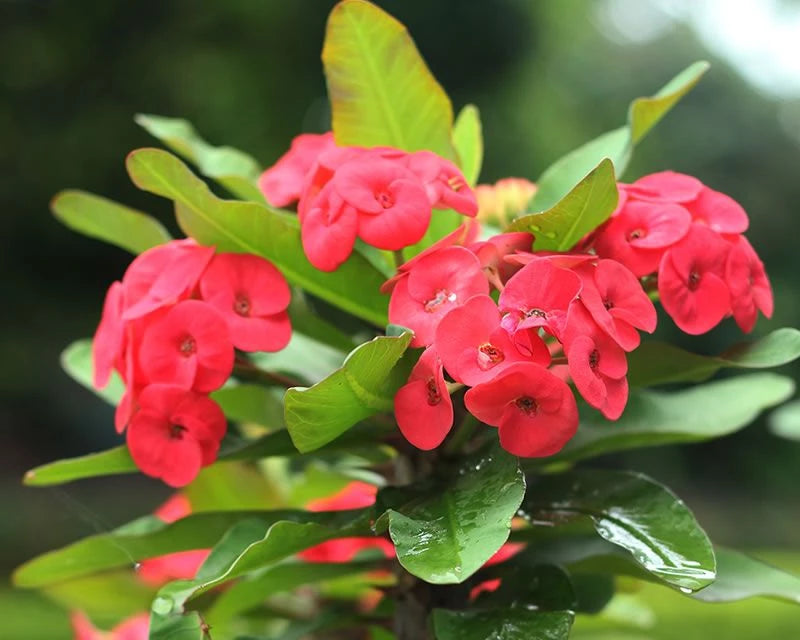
(436, 284)
(329, 230)
(474, 347)
(252, 296)
(691, 281)
(492, 254)
(720, 212)
(109, 337)
(749, 286)
(665, 186)
(534, 411)
(190, 346)
(136, 627)
(444, 183)
(538, 295)
(422, 407)
(282, 183)
(617, 302)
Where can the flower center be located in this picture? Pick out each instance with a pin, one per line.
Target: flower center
(489, 356)
(608, 304)
(694, 280)
(594, 359)
(434, 397)
(385, 199)
(455, 183)
(188, 346)
(241, 305)
(439, 298)
(537, 313)
(527, 405)
(176, 431)
(636, 234)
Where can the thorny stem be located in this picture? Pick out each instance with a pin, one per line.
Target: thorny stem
(246, 370)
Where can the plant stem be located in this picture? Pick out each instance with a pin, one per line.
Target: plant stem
(462, 435)
(398, 258)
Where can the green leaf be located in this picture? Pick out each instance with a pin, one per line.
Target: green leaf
(468, 139)
(363, 386)
(113, 594)
(785, 422)
(149, 537)
(445, 534)
(188, 627)
(104, 463)
(740, 576)
(654, 418)
(76, 360)
(381, 90)
(655, 363)
(501, 624)
(643, 113)
(108, 221)
(303, 357)
(255, 228)
(636, 513)
(251, 403)
(233, 169)
(583, 209)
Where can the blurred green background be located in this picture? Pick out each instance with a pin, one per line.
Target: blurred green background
(546, 76)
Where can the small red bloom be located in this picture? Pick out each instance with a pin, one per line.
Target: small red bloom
(691, 281)
(190, 346)
(174, 433)
(445, 184)
(109, 337)
(329, 230)
(436, 284)
(665, 186)
(720, 212)
(534, 411)
(136, 627)
(252, 296)
(748, 283)
(422, 407)
(492, 254)
(282, 183)
(474, 347)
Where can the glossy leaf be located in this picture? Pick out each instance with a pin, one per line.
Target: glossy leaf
(255, 228)
(109, 221)
(583, 209)
(740, 576)
(501, 624)
(785, 422)
(446, 534)
(381, 90)
(634, 512)
(149, 537)
(468, 139)
(364, 385)
(643, 113)
(233, 169)
(699, 413)
(655, 363)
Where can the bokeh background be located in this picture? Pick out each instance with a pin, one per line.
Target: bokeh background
(546, 76)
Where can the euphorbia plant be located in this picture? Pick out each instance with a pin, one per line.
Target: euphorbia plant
(376, 385)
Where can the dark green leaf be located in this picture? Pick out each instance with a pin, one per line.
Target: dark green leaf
(545, 587)
(108, 221)
(255, 228)
(785, 422)
(501, 624)
(233, 169)
(363, 386)
(635, 513)
(583, 209)
(446, 534)
(654, 418)
(381, 90)
(468, 139)
(660, 363)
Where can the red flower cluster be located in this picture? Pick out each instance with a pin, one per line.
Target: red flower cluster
(169, 328)
(382, 195)
(671, 225)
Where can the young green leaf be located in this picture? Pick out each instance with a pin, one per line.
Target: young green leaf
(109, 221)
(502, 624)
(588, 205)
(655, 363)
(468, 139)
(636, 513)
(233, 169)
(381, 90)
(104, 463)
(700, 413)
(255, 228)
(364, 385)
(446, 534)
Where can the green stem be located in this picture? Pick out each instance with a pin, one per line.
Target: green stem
(398, 258)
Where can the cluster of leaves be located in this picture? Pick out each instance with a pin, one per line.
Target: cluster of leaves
(580, 527)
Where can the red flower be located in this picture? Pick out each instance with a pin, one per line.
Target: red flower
(538, 295)
(535, 411)
(422, 407)
(444, 183)
(474, 347)
(691, 281)
(190, 347)
(137, 627)
(436, 284)
(492, 254)
(720, 212)
(174, 433)
(109, 337)
(665, 186)
(282, 183)
(329, 230)
(748, 283)
(252, 295)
